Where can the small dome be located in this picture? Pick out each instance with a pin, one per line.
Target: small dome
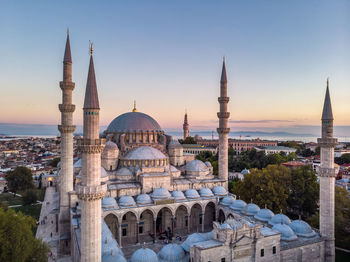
(196, 166)
(145, 152)
(225, 226)
(178, 195)
(191, 240)
(279, 218)
(234, 224)
(227, 201)
(174, 144)
(110, 146)
(219, 191)
(113, 258)
(208, 164)
(287, 233)
(192, 194)
(302, 229)
(144, 255)
(171, 253)
(264, 215)
(126, 201)
(77, 164)
(109, 202)
(124, 172)
(245, 171)
(238, 205)
(205, 192)
(161, 193)
(250, 209)
(143, 199)
(111, 150)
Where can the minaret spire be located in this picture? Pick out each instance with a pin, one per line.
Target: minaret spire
(91, 95)
(327, 173)
(223, 129)
(67, 53)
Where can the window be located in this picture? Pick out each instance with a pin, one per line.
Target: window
(124, 217)
(140, 229)
(124, 232)
(273, 250)
(200, 220)
(223, 260)
(262, 252)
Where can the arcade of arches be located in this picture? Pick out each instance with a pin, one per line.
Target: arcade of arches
(165, 223)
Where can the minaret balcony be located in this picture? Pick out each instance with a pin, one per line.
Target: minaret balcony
(223, 114)
(223, 130)
(327, 172)
(90, 193)
(223, 99)
(91, 146)
(66, 108)
(327, 142)
(66, 129)
(67, 85)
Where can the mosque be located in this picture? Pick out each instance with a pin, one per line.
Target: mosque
(133, 189)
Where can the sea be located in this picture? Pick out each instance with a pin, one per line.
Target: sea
(9, 131)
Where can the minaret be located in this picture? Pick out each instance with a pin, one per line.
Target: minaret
(223, 130)
(66, 129)
(90, 191)
(327, 174)
(186, 126)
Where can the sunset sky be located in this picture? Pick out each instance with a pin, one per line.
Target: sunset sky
(167, 56)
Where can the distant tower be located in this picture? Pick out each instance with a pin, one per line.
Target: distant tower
(223, 130)
(66, 129)
(186, 127)
(212, 135)
(327, 174)
(90, 191)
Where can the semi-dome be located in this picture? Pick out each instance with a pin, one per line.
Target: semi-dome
(113, 258)
(172, 253)
(302, 229)
(205, 192)
(144, 255)
(143, 199)
(264, 215)
(191, 240)
(133, 121)
(145, 152)
(196, 166)
(191, 193)
(109, 202)
(126, 201)
(238, 205)
(227, 200)
(250, 209)
(174, 144)
(287, 233)
(279, 218)
(178, 195)
(161, 193)
(219, 191)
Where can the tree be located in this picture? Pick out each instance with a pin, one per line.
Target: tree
(17, 241)
(30, 196)
(188, 140)
(54, 162)
(304, 191)
(268, 186)
(19, 179)
(343, 159)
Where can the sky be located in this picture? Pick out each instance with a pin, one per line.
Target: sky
(167, 55)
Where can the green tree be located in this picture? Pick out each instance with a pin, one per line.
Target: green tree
(30, 196)
(188, 140)
(231, 184)
(19, 179)
(54, 162)
(304, 191)
(17, 241)
(268, 186)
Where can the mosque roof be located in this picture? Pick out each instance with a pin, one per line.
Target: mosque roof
(196, 165)
(161, 193)
(279, 218)
(238, 204)
(126, 201)
(144, 255)
(91, 95)
(103, 172)
(287, 233)
(174, 144)
(124, 171)
(178, 195)
(205, 192)
(172, 253)
(133, 121)
(191, 193)
(110, 146)
(77, 164)
(327, 113)
(113, 258)
(145, 152)
(302, 229)
(191, 240)
(143, 199)
(109, 202)
(219, 191)
(264, 215)
(245, 171)
(227, 200)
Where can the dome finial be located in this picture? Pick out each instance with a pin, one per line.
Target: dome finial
(91, 48)
(134, 109)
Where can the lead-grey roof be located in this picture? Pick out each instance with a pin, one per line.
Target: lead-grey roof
(91, 95)
(67, 53)
(133, 121)
(327, 113)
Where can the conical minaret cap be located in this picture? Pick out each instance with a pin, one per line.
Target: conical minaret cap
(67, 53)
(327, 113)
(91, 95)
(223, 73)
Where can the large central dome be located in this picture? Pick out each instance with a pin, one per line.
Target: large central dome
(133, 121)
